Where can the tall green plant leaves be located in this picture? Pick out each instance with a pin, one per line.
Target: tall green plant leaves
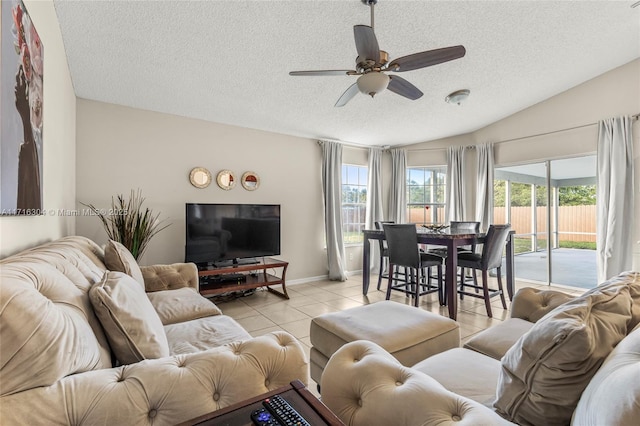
(128, 223)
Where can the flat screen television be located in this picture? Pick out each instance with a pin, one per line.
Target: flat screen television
(224, 234)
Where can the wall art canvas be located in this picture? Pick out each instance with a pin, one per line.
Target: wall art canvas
(21, 83)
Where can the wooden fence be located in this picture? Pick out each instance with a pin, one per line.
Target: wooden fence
(575, 223)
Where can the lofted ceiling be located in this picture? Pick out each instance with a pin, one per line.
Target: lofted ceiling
(228, 61)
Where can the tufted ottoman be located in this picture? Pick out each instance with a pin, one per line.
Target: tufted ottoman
(409, 334)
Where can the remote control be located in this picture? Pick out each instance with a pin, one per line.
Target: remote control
(283, 412)
(262, 417)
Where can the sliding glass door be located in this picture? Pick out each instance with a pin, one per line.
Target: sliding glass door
(574, 250)
(551, 206)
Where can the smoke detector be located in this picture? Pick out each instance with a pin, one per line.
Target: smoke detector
(458, 96)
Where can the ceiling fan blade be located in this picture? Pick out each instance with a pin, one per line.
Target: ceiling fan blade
(347, 95)
(324, 72)
(426, 59)
(366, 43)
(403, 88)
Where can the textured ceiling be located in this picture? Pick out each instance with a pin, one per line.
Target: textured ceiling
(228, 61)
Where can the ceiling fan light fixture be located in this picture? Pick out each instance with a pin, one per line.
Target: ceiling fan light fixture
(372, 83)
(458, 96)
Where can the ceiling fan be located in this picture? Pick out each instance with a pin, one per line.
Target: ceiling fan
(372, 64)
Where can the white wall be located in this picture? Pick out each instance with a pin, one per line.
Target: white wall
(121, 148)
(59, 141)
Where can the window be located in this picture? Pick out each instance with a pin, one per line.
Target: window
(354, 202)
(426, 194)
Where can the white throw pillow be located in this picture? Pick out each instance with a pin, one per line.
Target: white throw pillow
(613, 394)
(132, 326)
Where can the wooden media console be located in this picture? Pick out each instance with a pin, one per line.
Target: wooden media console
(243, 277)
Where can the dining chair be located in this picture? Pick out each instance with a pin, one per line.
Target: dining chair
(402, 244)
(490, 258)
(458, 227)
(461, 227)
(384, 253)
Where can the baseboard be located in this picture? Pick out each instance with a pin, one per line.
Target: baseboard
(307, 280)
(320, 278)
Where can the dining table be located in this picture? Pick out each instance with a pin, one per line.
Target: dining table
(451, 240)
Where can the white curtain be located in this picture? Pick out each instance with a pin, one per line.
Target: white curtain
(398, 194)
(332, 191)
(614, 197)
(374, 197)
(455, 183)
(484, 191)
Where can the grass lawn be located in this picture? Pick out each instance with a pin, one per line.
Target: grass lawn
(523, 245)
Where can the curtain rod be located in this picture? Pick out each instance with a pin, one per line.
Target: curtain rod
(348, 144)
(439, 149)
(633, 117)
(547, 133)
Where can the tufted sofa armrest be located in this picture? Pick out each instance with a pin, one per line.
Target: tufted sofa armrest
(170, 277)
(163, 391)
(364, 385)
(531, 304)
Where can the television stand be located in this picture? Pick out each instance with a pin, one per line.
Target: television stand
(252, 278)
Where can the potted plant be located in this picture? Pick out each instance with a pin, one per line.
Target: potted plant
(128, 223)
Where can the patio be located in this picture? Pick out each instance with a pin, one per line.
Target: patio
(571, 267)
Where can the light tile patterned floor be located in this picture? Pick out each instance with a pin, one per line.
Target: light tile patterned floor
(264, 312)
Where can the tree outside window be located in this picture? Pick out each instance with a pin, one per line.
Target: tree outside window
(426, 191)
(354, 202)
(582, 195)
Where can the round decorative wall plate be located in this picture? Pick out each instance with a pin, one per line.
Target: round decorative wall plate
(250, 181)
(200, 177)
(226, 180)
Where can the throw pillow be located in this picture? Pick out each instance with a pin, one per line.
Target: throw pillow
(613, 394)
(181, 305)
(132, 326)
(546, 370)
(118, 258)
(632, 281)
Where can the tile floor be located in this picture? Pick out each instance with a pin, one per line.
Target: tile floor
(263, 312)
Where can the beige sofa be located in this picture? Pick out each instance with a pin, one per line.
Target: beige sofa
(557, 361)
(66, 322)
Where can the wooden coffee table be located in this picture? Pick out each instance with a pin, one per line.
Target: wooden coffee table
(296, 394)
